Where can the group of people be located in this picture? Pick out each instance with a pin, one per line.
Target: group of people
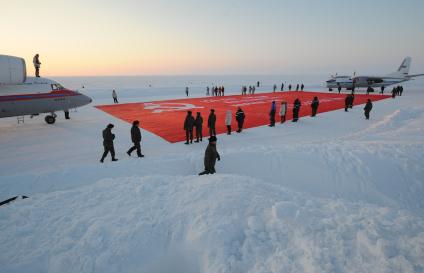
(195, 124)
(397, 91)
(302, 86)
(349, 99)
(109, 137)
(252, 90)
(215, 91)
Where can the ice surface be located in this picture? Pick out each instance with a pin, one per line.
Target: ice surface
(333, 193)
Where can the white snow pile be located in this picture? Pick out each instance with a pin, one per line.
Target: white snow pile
(221, 223)
(333, 193)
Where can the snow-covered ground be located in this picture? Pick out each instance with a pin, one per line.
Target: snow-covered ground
(333, 193)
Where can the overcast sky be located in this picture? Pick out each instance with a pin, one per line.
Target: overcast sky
(136, 37)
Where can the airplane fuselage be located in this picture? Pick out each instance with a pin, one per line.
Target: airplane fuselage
(38, 95)
(362, 82)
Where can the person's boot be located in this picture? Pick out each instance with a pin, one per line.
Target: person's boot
(186, 142)
(114, 159)
(204, 172)
(141, 155)
(196, 140)
(128, 153)
(101, 160)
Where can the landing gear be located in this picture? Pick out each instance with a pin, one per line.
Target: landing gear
(50, 119)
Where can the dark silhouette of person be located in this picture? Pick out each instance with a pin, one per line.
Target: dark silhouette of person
(188, 127)
(211, 155)
(272, 114)
(296, 108)
(314, 106)
(212, 122)
(367, 109)
(136, 139)
(108, 138)
(198, 123)
(240, 116)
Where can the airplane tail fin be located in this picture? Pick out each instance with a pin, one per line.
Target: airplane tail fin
(403, 69)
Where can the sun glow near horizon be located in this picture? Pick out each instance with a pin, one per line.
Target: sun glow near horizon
(131, 37)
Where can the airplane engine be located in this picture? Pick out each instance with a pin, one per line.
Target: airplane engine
(12, 70)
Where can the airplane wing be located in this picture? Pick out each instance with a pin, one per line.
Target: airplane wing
(416, 75)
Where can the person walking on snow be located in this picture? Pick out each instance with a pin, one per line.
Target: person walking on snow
(290, 87)
(240, 116)
(282, 87)
(314, 106)
(198, 123)
(272, 115)
(186, 91)
(114, 96)
(211, 123)
(188, 127)
(296, 109)
(283, 111)
(297, 87)
(108, 138)
(211, 155)
(275, 88)
(136, 139)
(37, 64)
(367, 109)
(228, 117)
(301, 87)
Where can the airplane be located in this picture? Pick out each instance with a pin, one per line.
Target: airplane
(21, 95)
(347, 82)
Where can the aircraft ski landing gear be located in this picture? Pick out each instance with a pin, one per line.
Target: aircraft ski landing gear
(50, 119)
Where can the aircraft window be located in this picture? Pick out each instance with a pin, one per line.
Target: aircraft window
(56, 87)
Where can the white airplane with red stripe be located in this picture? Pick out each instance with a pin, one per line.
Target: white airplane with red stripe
(21, 95)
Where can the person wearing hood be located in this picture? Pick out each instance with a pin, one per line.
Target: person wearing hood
(136, 139)
(240, 116)
(314, 106)
(211, 155)
(108, 138)
(296, 108)
(198, 123)
(283, 111)
(367, 109)
(272, 115)
(188, 127)
(228, 118)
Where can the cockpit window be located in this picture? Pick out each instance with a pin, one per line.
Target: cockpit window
(56, 86)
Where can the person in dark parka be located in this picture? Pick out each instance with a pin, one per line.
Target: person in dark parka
(198, 123)
(108, 138)
(240, 116)
(296, 108)
(188, 127)
(211, 155)
(367, 109)
(314, 106)
(302, 87)
(211, 123)
(347, 102)
(272, 114)
(136, 139)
